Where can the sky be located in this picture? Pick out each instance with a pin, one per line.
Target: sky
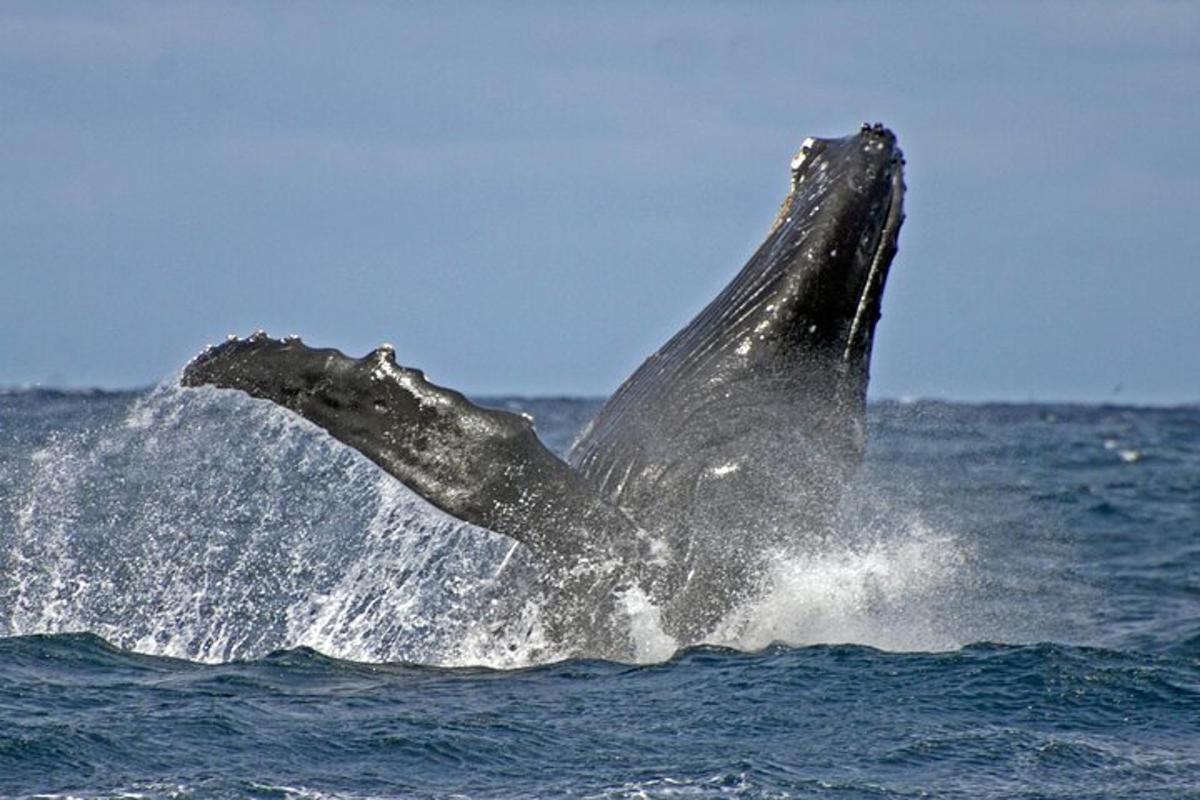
(530, 198)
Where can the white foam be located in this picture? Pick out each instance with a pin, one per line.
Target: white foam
(651, 644)
(883, 592)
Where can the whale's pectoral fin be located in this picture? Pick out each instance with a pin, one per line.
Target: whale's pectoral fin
(483, 466)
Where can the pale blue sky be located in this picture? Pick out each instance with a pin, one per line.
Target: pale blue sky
(530, 198)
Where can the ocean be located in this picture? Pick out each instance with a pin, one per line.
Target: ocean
(204, 597)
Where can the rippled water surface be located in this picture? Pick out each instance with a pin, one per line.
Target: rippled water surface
(202, 597)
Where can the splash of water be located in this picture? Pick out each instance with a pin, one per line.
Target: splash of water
(187, 530)
(893, 588)
(210, 526)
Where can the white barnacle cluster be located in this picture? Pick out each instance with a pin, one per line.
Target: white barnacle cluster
(386, 368)
(799, 159)
(385, 363)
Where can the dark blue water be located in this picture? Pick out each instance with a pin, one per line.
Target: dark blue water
(201, 597)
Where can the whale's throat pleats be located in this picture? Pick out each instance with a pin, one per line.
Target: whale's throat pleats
(770, 378)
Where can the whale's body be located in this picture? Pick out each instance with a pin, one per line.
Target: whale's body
(732, 442)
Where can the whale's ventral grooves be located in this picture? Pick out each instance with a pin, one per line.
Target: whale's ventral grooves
(733, 440)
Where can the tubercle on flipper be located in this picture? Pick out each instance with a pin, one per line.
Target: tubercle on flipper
(261, 337)
(482, 465)
(234, 344)
(380, 363)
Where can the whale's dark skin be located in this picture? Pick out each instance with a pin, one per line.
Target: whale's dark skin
(728, 445)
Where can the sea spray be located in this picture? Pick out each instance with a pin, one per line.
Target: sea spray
(894, 593)
(206, 525)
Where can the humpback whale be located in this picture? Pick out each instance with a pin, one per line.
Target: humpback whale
(729, 444)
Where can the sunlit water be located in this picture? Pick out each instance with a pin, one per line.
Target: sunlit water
(202, 596)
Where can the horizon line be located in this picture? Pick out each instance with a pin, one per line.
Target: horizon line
(1114, 401)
